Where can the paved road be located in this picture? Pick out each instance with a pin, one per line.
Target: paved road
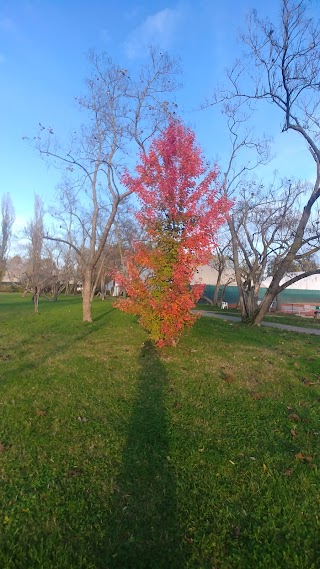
(315, 331)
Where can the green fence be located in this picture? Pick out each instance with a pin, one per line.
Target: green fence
(288, 296)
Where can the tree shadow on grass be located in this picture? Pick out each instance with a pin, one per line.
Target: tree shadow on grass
(143, 529)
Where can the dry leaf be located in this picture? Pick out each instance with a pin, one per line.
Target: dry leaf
(41, 413)
(307, 382)
(300, 456)
(257, 396)
(227, 376)
(308, 458)
(294, 417)
(264, 466)
(5, 357)
(236, 531)
(288, 472)
(73, 473)
(293, 433)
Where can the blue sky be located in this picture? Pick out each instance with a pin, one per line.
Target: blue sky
(43, 47)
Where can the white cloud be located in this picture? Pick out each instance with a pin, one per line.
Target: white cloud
(157, 29)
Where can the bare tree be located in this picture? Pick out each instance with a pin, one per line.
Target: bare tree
(125, 113)
(7, 220)
(283, 68)
(41, 274)
(247, 152)
(264, 219)
(220, 262)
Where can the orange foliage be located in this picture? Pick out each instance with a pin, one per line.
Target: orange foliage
(180, 215)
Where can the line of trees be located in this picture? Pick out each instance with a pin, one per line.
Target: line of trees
(273, 227)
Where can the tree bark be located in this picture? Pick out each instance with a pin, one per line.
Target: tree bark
(217, 288)
(86, 296)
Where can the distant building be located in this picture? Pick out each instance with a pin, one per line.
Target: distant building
(300, 298)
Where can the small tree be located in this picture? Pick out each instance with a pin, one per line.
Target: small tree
(180, 215)
(7, 219)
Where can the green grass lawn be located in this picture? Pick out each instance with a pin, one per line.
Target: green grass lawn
(117, 455)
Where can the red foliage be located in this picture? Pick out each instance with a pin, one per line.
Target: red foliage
(180, 214)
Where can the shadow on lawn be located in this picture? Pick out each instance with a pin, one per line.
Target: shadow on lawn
(143, 528)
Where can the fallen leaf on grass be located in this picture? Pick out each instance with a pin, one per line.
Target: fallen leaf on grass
(293, 433)
(74, 472)
(288, 472)
(294, 417)
(264, 466)
(300, 456)
(257, 396)
(5, 357)
(227, 376)
(236, 530)
(41, 413)
(307, 382)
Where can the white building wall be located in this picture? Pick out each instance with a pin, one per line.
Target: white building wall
(308, 283)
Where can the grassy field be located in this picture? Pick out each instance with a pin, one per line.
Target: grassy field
(116, 455)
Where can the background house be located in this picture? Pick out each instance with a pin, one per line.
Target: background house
(300, 298)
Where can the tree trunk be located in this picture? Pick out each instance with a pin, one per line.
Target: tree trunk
(103, 285)
(216, 290)
(243, 299)
(272, 291)
(36, 301)
(86, 296)
(223, 292)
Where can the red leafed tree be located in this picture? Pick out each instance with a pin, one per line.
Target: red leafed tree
(180, 215)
